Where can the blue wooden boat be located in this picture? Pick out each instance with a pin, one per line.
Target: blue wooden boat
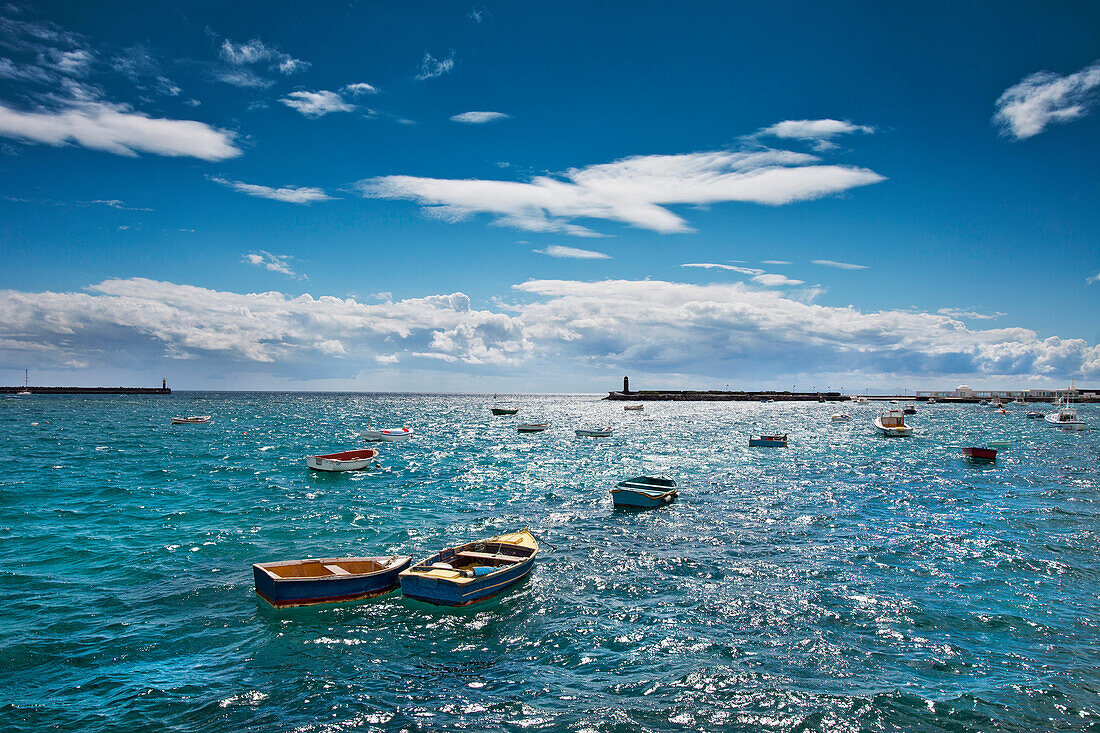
(769, 441)
(329, 580)
(471, 573)
(644, 492)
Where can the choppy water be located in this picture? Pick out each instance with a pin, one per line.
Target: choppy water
(849, 582)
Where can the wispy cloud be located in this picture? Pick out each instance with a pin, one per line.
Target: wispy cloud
(1025, 109)
(289, 194)
(477, 14)
(119, 130)
(256, 51)
(774, 262)
(1094, 279)
(633, 191)
(274, 263)
(718, 266)
(431, 67)
(820, 132)
(478, 118)
(972, 315)
(557, 250)
(317, 104)
(113, 204)
(839, 265)
(243, 78)
(358, 88)
(771, 280)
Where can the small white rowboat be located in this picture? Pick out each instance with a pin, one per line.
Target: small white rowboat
(191, 420)
(349, 460)
(388, 435)
(604, 432)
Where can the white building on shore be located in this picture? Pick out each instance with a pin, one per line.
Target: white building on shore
(964, 392)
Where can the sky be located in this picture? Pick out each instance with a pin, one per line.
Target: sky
(544, 197)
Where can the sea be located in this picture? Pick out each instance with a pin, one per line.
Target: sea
(847, 582)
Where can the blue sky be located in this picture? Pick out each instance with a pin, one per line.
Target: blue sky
(447, 196)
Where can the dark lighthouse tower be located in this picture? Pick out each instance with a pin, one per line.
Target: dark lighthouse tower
(626, 385)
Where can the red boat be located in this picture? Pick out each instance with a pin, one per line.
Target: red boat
(980, 454)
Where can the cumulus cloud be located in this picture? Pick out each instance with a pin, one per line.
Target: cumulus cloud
(634, 191)
(119, 130)
(771, 280)
(289, 194)
(557, 250)
(274, 263)
(820, 132)
(431, 67)
(316, 104)
(358, 88)
(973, 315)
(478, 118)
(1025, 109)
(839, 265)
(650, 326)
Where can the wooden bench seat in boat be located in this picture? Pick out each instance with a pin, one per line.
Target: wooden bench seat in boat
(336, 570)
(489, 556)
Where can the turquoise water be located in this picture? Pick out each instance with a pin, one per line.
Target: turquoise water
(848, 582)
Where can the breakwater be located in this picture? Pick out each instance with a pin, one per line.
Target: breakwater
(86, 390)
(714, 395)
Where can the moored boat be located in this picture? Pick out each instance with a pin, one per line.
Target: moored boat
(532, 427)
(504, 410)
(191, 420)
(980, 455)
(777, 440)
(329, 580)
(841, 417)
(1066, 418)
(892, 424)
(644, 492)
(471, 573)
(1032, 415)
(604, 432)
(633, 407)
(349, 460)
(909, 410)
(386, 435)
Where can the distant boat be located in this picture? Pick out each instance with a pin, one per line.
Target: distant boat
(633, 407)
(980, 455)
(909, 410)
(471, 573)
(604, 432)
(769, 441)
(860, 400)
(26, 384)
(841, 417)
(331, 580)
(505, 410)
(191, 420)
(532, 427)
(892, 424)
(1032, 415)
(349, 460)
(387, 435)
(644, 492)
(931, 400)
(1018, 401)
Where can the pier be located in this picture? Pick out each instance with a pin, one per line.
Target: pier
(86, 390)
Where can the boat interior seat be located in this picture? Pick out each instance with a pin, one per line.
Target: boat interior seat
(442, 566)
(337, 570)
(489, 556)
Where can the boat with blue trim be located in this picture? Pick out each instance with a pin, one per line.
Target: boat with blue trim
(330, 580)
(644, 492)
(472, 573)
(778, 440)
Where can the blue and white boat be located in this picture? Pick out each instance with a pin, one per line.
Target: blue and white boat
(779, 440)
(472, 573)
(644, 492)
(330, 580)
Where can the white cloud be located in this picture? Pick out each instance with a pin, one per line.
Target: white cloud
(119, 130)
(1094, 279)
(717, 266)
(769, 280)
(774, 262)
(478, 118)
(648, 326)
(274, 263)
(632, 191)
(316, 104)
(821, 132)
(114, 204)
(431, 67)
(256, 51)
(557, 250)
(289, 194)
(358, 88)
(839, 265)
(477, 15)
(973, 315)
(1043, 98)
(244, 78)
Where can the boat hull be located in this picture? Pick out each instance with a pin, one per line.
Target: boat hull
(766, 443)
(505, 410)
(980, 455)
(1053, 419)
(393, 435)
(448, 579)
(593, 433)
(351, 460)
(308, 591)
(532, 427)
(643, 498)
(893, 432)
(200, 420)
(438, 592)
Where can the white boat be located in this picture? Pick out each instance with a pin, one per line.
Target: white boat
(532, 427)
(604, 432)
(349, 460)
(841, 417)
(892, 424)
(26, 385)
(861, 400)
(633, 407)
(387, 435)
(1066, 418)
(191, 420)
